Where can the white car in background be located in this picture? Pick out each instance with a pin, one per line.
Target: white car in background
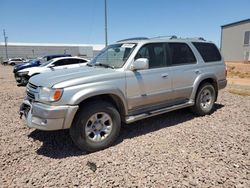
(15, 61)
(22, 77)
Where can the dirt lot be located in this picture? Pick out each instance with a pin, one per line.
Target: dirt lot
(238, 78)
(172, 150)
(238, 73)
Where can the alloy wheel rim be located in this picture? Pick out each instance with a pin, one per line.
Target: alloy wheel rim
(98, 127)
(206, 99)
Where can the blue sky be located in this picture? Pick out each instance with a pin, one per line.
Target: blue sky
(82, 21)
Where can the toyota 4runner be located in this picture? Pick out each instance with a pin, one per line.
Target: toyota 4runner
(128, 81)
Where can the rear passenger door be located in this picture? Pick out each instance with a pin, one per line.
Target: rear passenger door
(184, 70)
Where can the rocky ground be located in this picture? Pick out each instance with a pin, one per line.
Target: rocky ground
(176, 149)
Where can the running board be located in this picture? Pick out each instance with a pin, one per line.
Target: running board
(131, 119)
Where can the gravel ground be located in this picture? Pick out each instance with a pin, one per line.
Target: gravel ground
(171, 150)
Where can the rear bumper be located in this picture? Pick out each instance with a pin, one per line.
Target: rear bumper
(222, 84)
(45, 117)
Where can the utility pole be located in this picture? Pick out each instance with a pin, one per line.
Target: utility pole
(5, 43)
(33, 52)
(106, 20)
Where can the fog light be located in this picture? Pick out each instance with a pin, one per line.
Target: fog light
(44, 122)
(39, 121)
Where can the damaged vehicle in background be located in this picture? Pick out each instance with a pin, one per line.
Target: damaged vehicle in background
(22, 77)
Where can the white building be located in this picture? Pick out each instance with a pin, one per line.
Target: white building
(32, 50)
(235, 41)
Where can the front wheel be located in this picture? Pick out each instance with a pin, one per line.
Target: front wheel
(96, 126)
(204, 101)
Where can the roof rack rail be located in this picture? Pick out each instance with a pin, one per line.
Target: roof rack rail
(135, 38)
(201, 38)
(197, 38)
(167, 36)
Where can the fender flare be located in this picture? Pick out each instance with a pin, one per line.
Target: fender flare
(198, 80)
(87, 93)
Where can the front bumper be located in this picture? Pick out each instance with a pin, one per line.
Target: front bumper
(45, 117)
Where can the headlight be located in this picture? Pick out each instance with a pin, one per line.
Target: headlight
(49, 94)
(23, 73)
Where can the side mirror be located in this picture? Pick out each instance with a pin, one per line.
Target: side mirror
(51, 66)
(140, 64)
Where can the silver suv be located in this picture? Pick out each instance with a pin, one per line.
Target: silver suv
(128, 81)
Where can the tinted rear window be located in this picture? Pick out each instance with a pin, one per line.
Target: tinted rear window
(209, 52)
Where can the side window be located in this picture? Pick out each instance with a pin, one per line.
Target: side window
(180, 53)
(59, 62)
(71, 61)
(82, 61)
(209, 52)
(247, 38)
(154, 53)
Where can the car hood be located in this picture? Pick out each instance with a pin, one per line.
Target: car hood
(24, 66)
(74, 76)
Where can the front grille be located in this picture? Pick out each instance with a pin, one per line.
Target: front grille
(30, 85)
(30, 95)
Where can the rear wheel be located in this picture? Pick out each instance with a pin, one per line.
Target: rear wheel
(96, 126)
(204, 101)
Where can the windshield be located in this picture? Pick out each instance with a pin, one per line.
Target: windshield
(46, 63)
(113, 56)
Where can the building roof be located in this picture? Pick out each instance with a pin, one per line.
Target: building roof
(236, 23)
(95, 46)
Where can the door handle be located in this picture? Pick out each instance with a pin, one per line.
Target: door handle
(197, 71)
(164, 75)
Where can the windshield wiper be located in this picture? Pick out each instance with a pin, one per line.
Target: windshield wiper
(104, 65)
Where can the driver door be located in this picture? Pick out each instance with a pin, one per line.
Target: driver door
(151, 87)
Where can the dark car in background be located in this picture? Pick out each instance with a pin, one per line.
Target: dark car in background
(31, 63)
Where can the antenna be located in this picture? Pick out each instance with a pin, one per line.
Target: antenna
(106, 20)
(5, 43)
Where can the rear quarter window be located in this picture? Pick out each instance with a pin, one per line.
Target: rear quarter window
(208, 51)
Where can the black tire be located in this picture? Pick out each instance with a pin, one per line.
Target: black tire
(12, 64)
(199, 107)
(78, 128)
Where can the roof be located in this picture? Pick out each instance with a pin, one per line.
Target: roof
(95, 46)
(62, 55)
(74, 57)
(236, 23)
